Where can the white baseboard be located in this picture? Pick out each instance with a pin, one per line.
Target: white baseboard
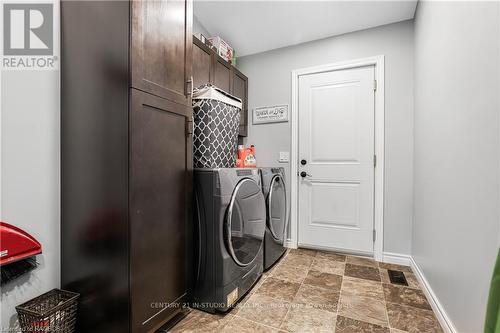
(407, 260)
(288, 243)
(439, 311)
(396, 258)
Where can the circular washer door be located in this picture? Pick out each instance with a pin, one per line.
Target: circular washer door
(276, 205)
(245, 222)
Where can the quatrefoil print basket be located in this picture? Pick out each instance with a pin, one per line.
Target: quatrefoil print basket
(216, 125)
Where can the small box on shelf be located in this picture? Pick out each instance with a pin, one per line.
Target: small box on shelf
(223, 48)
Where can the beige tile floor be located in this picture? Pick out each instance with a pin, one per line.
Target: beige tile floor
(314, 291)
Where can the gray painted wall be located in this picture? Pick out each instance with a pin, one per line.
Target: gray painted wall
(30, 174)
(30, 182)
(269, 77)
(199, 28)
(456, 221)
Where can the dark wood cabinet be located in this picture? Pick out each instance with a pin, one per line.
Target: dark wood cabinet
(240, 89)
(202, 68)
(126, 162)
(203, 59)
(161, 49)
(160, 164)
(222, 74)
(209, 67)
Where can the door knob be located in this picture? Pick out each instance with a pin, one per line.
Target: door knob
(303, 162)
(304, 174)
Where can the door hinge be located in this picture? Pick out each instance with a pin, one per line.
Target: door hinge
(374, 235)
(374, 160)
(374, 85)
(189, 126)
(189, 86)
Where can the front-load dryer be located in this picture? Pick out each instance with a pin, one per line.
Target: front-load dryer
(274, 190)
(230, 222)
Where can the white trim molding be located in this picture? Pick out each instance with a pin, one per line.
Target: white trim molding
(396, 258)
(436, 306)
(378, 62)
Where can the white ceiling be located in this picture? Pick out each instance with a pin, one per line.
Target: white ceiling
(256, 26)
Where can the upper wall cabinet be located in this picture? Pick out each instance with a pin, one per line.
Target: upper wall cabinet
(240, 89)
(209, 67)
(161, 48)
(222, 74)
(202, 59)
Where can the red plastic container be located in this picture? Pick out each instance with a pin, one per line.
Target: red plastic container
(246, 157)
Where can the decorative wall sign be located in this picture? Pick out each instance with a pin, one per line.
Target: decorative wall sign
(270, 114)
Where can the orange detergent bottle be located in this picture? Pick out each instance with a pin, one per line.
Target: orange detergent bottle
(246, 157)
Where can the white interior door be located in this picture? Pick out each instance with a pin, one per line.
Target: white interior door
(336, 159)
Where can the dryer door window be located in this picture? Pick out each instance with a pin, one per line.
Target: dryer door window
(276, 204)
(245, 222)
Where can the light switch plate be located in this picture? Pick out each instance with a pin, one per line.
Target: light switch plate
(284, 157)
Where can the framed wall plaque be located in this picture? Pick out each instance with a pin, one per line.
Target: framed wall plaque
(270, 114)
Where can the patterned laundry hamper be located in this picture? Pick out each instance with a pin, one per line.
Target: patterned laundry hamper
(216, 125)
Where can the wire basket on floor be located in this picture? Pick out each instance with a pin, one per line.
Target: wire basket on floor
(54, 311)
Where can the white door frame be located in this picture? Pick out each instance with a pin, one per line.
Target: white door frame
(378, 62)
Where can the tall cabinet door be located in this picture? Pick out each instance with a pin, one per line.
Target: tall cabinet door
(161, 48)
(202, 68)
(160, 224)
(240, 89)
(222, 74)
